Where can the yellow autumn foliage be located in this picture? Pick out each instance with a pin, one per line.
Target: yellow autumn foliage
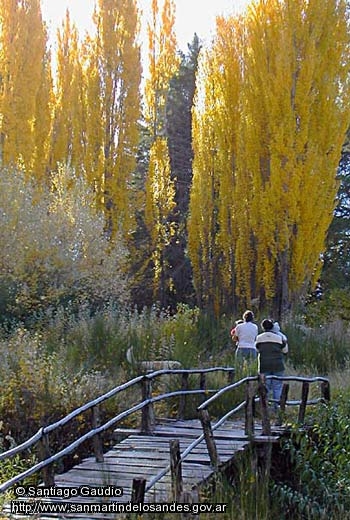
(114, 96)
(69, 111)
(271, 113)
(160, 190)
(25, 88)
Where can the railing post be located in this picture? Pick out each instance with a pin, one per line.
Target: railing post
(265, 419)
(184, 388)
(97, 439)
(303, 403)
(147, 418)
(43, 454)
(176, 470)
(249, 409)
(209, 438)
(325, 391)
(284, 397)
(203, 384)
(283, 402)
(230, 376)
(138, 490)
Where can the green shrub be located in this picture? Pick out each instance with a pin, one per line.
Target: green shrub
(54, 249)
(335, 304)
(320, 484)
(11, 467)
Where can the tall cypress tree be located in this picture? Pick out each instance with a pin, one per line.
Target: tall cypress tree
(336, 259)
(179, 132)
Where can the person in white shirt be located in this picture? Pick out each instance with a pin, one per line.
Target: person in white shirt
(246, 334)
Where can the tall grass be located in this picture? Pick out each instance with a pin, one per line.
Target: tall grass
(324, 348)
(101, 341)
(68, 359)
(38, 366)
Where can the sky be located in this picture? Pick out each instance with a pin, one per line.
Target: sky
(191, 15)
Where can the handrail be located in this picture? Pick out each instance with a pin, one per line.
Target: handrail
(25, 445)
(225, 389)
(189, 371)
(78, 411)
(93, 403)
(148, 401)
(43, 431)
(239, 407)
(72, 446)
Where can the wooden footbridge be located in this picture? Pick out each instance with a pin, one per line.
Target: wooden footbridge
(160, 459)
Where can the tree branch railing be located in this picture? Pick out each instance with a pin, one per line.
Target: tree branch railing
(260, 395)
(209, 429)
(42, 440)
(255, 391)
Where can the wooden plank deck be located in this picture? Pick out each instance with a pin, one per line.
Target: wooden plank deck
(145, 456)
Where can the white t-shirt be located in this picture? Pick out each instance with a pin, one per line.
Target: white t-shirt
(246, 333)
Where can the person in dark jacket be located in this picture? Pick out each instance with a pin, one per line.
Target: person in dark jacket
(271, 349)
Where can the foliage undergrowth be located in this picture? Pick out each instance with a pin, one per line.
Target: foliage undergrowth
(324, 347)
(320, 484)
(67, 358)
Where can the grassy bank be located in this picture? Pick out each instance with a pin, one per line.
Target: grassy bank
(65, 360)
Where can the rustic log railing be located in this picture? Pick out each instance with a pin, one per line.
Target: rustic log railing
(255, 391)
(260, 394)
(252, 395)
(41, 439)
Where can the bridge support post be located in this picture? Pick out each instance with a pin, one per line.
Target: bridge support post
(138, 490)
(325, 391)
(147, 419)
(97, 440)
(230, 377)
(283, 402)
(209, 438)
(263, 454)
(303, 402)
(265, 418)
(176, 470)
(203, 385)
(44, 453)
(184, 388)
(249, 409)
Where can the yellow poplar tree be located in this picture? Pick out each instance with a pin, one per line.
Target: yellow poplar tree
(69, 121)
(94, 132)
(43, 122)
(212, 222)
(25, 84)
(113, 80)
(287, 131)
(160, 190)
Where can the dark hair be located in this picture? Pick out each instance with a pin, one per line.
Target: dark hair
(248, 316)
(267, 324)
